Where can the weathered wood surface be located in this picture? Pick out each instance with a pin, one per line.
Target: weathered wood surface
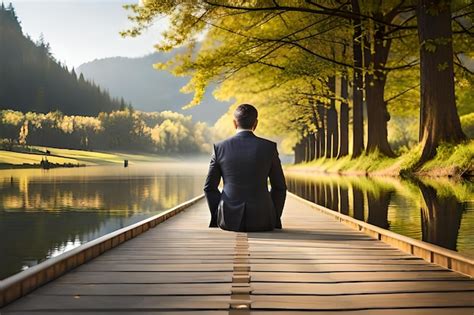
(315, 264)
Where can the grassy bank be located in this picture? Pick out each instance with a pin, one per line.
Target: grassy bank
(452, 161)
(32, 156)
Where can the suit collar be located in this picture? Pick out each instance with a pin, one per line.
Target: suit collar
(245, 133)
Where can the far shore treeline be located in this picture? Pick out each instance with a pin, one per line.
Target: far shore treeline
(156, 132)
(44, 103)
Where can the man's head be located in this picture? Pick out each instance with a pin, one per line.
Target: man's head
(245, 117)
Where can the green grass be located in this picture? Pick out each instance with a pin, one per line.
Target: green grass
(467, 123)
(457, 158)
(366, 163)
(33, 155)
(18, 158)
(450, 160)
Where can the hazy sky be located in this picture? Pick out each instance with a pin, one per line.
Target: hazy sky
(83, 30)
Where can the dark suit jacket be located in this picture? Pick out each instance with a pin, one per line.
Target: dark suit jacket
(245, 162)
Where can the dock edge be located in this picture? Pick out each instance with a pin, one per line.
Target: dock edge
(429, 252)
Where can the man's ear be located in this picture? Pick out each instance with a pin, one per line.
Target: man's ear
(255, 125)
(235, 124)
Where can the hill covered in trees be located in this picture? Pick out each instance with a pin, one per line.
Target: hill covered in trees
(149, 89)
(32, 80)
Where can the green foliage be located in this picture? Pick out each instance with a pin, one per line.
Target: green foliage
(403, 133)
(365, 163)
(163, 132)
(280, 55)
(450, 160)
(467, 123)
(458, 158)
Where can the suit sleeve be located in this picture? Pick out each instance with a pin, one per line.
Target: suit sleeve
(213, 195)
(278, 184)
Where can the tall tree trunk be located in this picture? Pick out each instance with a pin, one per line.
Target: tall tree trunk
(332, 137)
(298, 152)
(316, 134)
(333, 133)
(322, 133)
(358, 81)
(306, 148)
(377, 114)
(311, 143)
(316, 145)
(439, 119)
(344, 120)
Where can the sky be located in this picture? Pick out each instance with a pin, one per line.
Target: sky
(80, 31)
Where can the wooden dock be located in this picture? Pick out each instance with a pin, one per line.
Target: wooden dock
(316, 264)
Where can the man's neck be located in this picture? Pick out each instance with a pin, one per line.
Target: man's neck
(241, 129)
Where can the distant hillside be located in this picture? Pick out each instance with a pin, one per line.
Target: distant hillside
(148, 89)
(31, 80)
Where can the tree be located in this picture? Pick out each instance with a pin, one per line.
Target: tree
(439, 120)
(344, 119)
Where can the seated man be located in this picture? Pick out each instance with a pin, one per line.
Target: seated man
(245, 162)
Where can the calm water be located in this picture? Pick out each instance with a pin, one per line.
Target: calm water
(438, 211)
(45, 213)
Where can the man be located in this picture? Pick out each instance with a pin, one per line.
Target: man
(245, 162)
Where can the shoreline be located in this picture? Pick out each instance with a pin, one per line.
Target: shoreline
(303, 168)
(449, 162)
(8, 166)
(36, 157)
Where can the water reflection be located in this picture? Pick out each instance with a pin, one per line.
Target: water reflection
(440, 212)
(44, 213)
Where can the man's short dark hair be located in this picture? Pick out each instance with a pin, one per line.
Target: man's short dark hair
(245, 115)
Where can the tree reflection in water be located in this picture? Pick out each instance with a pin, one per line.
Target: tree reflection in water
(43, 214)
(447, 212)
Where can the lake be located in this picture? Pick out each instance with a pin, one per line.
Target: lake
(438, 211)
(44, 213)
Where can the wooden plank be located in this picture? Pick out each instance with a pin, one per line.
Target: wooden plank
(161, 312)
(360, 287)
(363, 302)
(34, 302)
(314, 265)
(306, 268)
(354, 276)
(136, 289)
(229, 260)
(145, 277)
(155, 267)
(408, 311)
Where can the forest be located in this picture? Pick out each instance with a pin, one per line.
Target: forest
(44, 103)
(331, 78)
(122, 130)
(32, 80)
